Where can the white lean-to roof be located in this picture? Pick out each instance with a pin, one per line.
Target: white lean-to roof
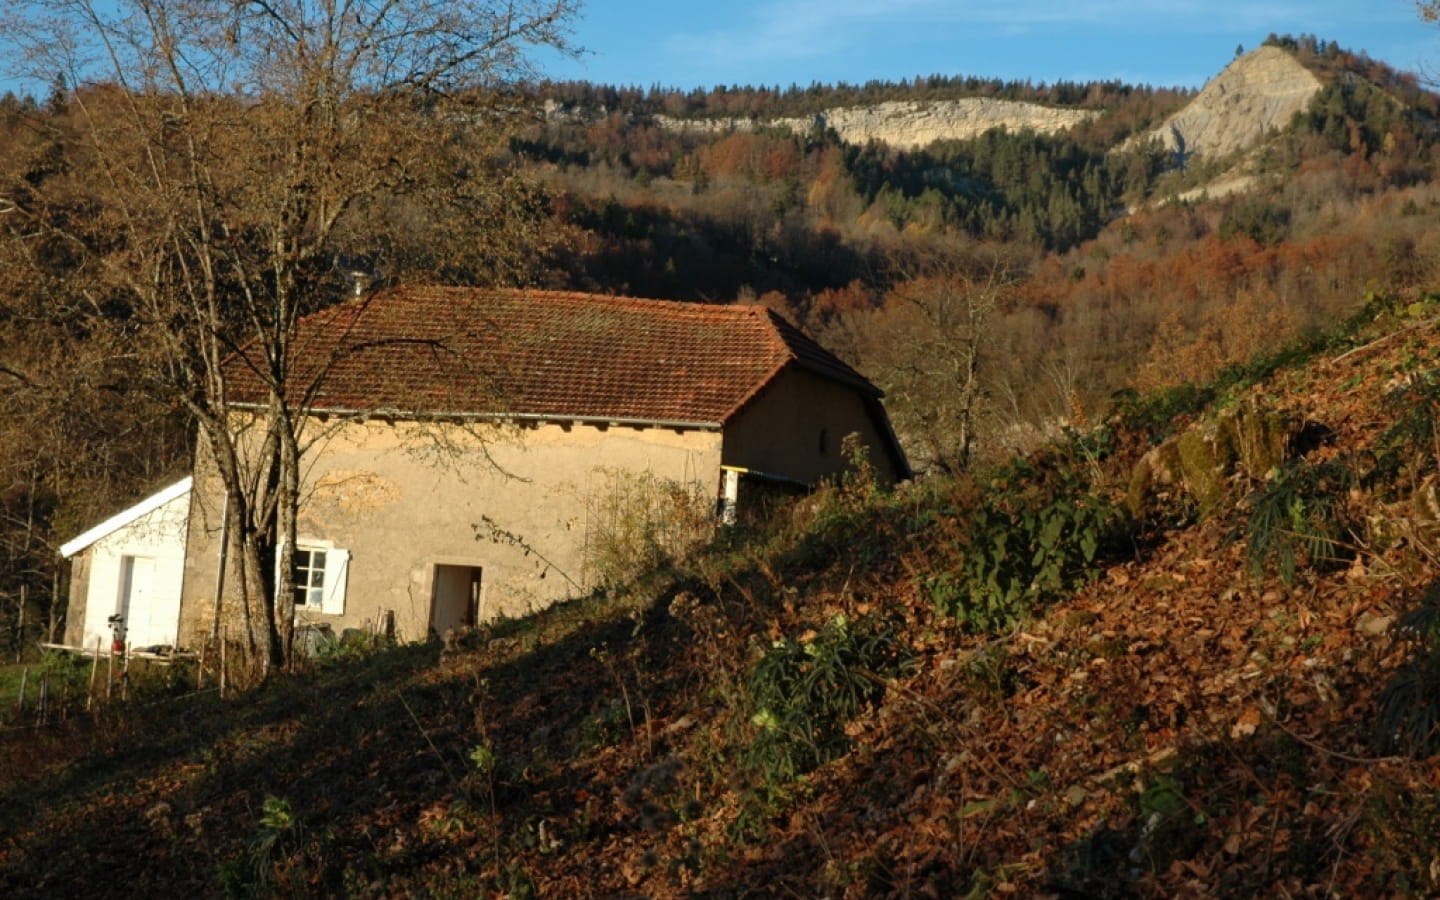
(121, 519)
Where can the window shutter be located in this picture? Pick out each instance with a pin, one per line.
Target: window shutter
(279, 549)
(337, 567)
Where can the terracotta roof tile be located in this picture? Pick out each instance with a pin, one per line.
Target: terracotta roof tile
(439, 350)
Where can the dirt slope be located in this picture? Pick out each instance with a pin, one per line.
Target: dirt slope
(1183, 726)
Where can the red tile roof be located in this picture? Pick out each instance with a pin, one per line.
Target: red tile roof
(446, 350)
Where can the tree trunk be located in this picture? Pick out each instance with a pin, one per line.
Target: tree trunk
(288, 510)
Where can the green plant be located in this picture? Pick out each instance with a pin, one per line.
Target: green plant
(849, 517)
(279, 832)
(1412, 443)
(1299, 518)
(1409, 716)
(515, 883)
(802, 691)
(1171, 825)
(989, 673)
(483, 759)
(860, 483)
(65, 676)
(1157, 414)
(351, 646)
(1033, 537)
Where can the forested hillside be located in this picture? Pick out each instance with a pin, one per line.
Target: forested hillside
(1189, 651)
(1107, 282)
(1000, 289)
(1096, 278)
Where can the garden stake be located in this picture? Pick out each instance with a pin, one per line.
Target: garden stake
(94, 668)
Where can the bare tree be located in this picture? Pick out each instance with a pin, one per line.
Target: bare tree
(928, 346)
(224, 163)
(74, 438)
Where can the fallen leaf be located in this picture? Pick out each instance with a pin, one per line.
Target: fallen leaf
(1247, 723)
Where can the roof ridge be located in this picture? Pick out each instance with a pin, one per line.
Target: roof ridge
(775, 326)
(689, 306)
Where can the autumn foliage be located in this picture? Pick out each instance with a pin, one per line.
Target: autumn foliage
(1108, 649)
(817, 707)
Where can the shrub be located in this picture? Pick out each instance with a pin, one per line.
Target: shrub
(1032, 538)
(641, 522)
(1409, 717)
(353, 645)
(1157, 414)
(64, 679)
(253, 873)
(1412, 443)
(852, 517)
(1299, 518)
(802, 691)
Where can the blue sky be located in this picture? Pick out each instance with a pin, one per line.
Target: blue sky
(695, 43)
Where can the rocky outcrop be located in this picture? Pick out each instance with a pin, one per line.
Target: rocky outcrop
(1202, 461)
(907, 124)
(1254, 95)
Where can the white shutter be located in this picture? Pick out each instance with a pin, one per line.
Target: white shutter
(279, 550)
(337, 568)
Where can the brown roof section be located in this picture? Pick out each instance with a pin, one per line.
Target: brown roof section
(447, 350)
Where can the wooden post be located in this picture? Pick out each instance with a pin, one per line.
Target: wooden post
(54, 604)
(222, 663)
(24, 677)
(200, 668)
(94, 668)
(20, 645)
(110, 671)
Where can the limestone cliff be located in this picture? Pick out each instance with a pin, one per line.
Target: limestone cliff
(1257, 93)
(908, 124)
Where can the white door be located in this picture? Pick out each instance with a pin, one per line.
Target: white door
(137, 588)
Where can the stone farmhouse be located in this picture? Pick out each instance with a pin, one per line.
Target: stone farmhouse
(469, 448)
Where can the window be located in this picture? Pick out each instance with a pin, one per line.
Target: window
(309, 577)
(320, 571)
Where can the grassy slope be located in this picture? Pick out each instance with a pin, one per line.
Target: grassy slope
(1177, 728)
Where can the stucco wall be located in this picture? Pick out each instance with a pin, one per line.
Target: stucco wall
(780, 431)
(402, 503)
